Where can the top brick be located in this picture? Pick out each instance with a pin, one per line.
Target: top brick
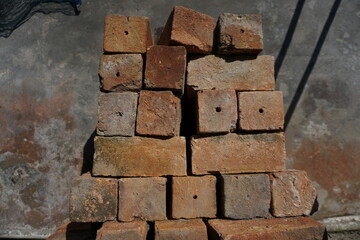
(189, 28)
(127, 34)
(239, 34)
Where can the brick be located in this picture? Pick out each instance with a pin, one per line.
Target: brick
(142, 199)
(73, 231)
(139, 156)
(216, 111)
(117, 114)
(125, 34)
(238, 153)
(231, 72)
(189, 28)
(159, 114)
(245, 196)
(194, 229)
(292, 193)
(93, 199)
(121, 72)
(193, 197)
(261, 110)
(239, 34)
(267, 229)
(123, 231)
(165, 68)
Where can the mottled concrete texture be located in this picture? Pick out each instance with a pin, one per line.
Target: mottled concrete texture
(49, 90)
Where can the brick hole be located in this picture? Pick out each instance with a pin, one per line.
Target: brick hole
(118, 74)
(195, 197)
(261, 110)
(126, 32)
(242, 30)
(120, 114)
(218, 109)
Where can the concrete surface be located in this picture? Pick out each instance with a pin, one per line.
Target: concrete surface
(49, 90)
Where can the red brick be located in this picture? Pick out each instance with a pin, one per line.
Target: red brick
(261, 110)
(117, 114)
(121, 72)
(292, 193)
(165, 68)
(189, 28)
(123, 231)
(231, 72)
(216, 111)
(267, 229)
(238, 153)
(125, 34)
(240, 34)
(93, 199)
(245, 196)
(159, 114)
(193, 197)
(139, 156)
(142, 199)
(194, 229)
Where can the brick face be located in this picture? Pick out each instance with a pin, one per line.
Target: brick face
(262, 110)
(193, 197)
(194, 229)
(240, 34)
(121, 72)
(231, 72)
(127, 34)
(216, 111)
(189, 28)
(165, 68)
(93, 199)
(246, 196)
(142, 199)
(238, 153)
(159, 114)
(139, 156)
(292, 193)
(267, 229)
(117, 114)
(123, 231)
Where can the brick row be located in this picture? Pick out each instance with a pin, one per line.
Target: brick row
(241, 196)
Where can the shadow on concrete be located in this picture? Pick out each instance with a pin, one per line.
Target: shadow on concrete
(300, 89)
(88, 154)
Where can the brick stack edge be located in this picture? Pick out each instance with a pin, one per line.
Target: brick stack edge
(226, 180)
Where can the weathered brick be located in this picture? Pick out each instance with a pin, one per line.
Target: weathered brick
(216, 111)
(292, 193)
(139, 156)
(189, 28)
(121, 72)
(142, 199)
(231, 72)
(127, 34)
(245, 196)
(238, 153)
(159, 114)
(165, 68)
(93, 199)
(193, 197)
(123, 231)
(267, 229)
(240, 34)
(194, 229)
(117, 114)
(262, 110)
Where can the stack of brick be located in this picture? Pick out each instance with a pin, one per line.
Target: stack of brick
(225, 180)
